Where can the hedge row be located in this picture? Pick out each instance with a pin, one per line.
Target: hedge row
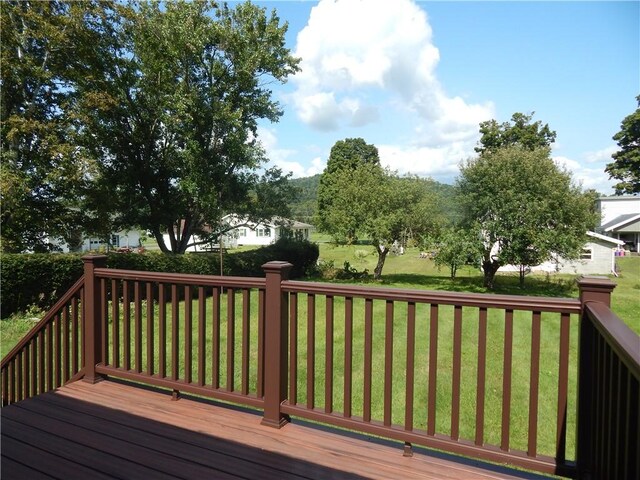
(40, 279)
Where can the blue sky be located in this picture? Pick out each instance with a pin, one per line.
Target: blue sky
(416, 78)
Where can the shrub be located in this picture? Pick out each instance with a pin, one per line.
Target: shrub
(40, 279)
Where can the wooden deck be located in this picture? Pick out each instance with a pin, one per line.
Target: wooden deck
(115, 430)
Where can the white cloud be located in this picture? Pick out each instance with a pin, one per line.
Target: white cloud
(280, 157)
(602, 155)
(423, 161)
(594, 178)
(362, 57)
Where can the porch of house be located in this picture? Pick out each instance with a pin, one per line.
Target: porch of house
(113, 429)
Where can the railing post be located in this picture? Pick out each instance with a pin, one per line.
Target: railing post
(595, 289)
(592, 289)
(91, 317)
(276, 344)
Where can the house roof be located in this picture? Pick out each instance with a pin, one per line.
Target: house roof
(620, 221)
(604, 238)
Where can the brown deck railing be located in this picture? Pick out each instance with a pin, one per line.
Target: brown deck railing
(50, 354)
(609, 403)
(489, 376)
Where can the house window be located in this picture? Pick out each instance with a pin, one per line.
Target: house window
(586, 254)
(115, 240)
(263, 232)
(242, 232)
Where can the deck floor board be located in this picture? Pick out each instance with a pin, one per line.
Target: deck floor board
(117, 430)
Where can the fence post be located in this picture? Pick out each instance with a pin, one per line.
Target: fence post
(592, 289)
(276, 344)
(91, 317)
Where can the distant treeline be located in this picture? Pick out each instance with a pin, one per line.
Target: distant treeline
(304, 208)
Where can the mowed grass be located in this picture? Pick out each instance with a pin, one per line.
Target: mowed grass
(407, 271)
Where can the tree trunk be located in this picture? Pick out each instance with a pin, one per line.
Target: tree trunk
(490, 267)
(382, 255)
(157, 234)
(523, 270)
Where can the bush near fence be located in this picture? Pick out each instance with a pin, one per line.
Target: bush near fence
(39, 279)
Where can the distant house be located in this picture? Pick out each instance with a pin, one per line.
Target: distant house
(124, 239)
(246, 232)
(598, 257)
(251, 233)
(620, 219)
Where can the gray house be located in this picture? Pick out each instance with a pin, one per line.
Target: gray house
(598, 257)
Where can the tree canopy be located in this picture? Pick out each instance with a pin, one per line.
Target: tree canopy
(523, 208)
(363, 200)
(626, 164)
(345, 156)
(153, 109)
(519, 131)
(44, 46)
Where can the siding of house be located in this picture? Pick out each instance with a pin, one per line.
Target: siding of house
(601, 262)
(612, 207)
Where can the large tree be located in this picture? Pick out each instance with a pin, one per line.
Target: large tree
(626, 164)
(172, 118)
(45, 46)
(519, 131)
(525, 208)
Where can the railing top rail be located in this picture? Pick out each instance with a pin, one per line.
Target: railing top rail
(623, 340)
(484, 300)
(46, 319)
(181, 278)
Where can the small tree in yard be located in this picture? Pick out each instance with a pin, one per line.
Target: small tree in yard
(528, 209)
(456, 247)
(364, 200)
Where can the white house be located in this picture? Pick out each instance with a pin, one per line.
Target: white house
(598, 257)
(121, 239)
(620, 219)
(251, 233)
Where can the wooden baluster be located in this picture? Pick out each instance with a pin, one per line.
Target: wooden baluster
(328, 359)
(202, 337)
(368, 352)
(150, 330)
(188, 334)
(480, 383)
(162, 330)
(563, 385)
(175, 333)
(433, 369)
(215, 360)
(388, 363)
(231, 338)
(293, 354)
(126, 325)
(457, 364)
(115, 324)
(411, 353)
(246, 331)
(137, 315)
(348, 355)
(533, 385)
(506, 381)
